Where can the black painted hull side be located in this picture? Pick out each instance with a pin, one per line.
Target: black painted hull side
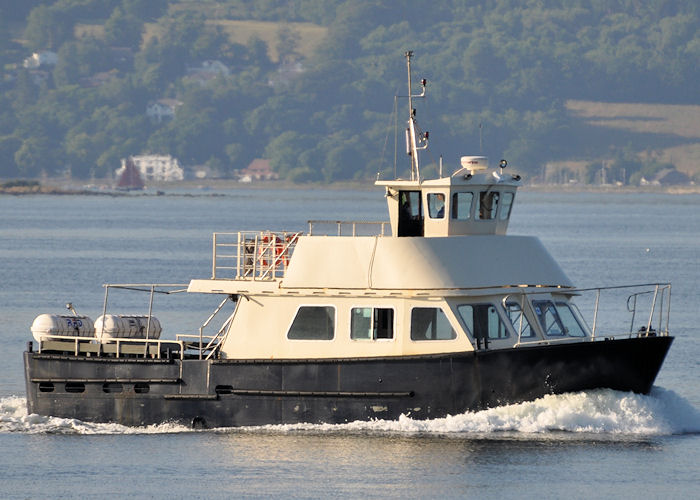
(221, 393)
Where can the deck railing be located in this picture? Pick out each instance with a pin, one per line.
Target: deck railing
(117, 347)
(648, 305)
(252, 255)
(347, 228)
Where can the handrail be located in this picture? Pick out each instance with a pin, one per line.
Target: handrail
(118, 342)
(206, 323)
(354, 224)
(252, 255)
(659, 307)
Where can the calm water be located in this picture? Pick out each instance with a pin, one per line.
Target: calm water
(55, 249)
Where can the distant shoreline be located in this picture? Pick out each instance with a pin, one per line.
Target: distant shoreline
(217, 185)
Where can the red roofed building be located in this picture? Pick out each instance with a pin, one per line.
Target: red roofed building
(258, 170)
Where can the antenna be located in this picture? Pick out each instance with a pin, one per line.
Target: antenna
(481, 149)
(415, 140)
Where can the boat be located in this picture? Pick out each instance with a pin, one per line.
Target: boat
(435, 312)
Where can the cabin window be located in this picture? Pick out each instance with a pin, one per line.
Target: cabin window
(519, 320)
(506, 205)
(436, 205)
(430, 323)
(483, 321)
(557, 320)
(313, 323)
(487, 204)
(462, 205)
(371, 323)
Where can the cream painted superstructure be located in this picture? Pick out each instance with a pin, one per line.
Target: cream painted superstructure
(260, 328)
(399, 273)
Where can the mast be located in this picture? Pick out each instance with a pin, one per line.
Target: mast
(415, 139)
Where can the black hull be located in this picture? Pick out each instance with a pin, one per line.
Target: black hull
(223, 393)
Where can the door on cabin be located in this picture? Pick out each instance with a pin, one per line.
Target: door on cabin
(410, 214)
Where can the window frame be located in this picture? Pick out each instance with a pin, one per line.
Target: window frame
(495, 196)
(455, 206)
(500, 313)
(449, 322)
(431, 200)
(502, 205)
(575, 315)
(522, 306)
(296, 313)
(372, 329)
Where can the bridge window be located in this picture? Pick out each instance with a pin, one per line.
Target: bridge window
(557, 320)
(313, 323)
(436, 205)
(519, 320)
(487, 204)
(506, 205)
(371, 323)
(462, 205)
(430, 323)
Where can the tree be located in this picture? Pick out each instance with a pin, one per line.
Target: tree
(9, 145)
(123, 29)
(145, 9)
(287, 43)
(47, 28)
(36, 154)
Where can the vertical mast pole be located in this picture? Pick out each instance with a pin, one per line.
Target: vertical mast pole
(413, 150)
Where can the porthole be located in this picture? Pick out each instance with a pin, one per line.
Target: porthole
(75, 387)
(141, 388)
(111, 388)
(224, 389)
(45, 386)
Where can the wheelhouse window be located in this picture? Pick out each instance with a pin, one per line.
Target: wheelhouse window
(431, 323)
(462, 205)
(558, 319)
(313, 323)
(487, 205)
(483, 321)
(367, 323)
(519, 321)
(436, 205)
(506, 205)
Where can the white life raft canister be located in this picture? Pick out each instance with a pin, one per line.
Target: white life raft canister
(62, 325)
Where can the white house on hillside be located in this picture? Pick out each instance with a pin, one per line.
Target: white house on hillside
(38, 59)
(163, 109)
(155, 167)
(213, 67)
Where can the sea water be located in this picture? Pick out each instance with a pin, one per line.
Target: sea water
(602, 443)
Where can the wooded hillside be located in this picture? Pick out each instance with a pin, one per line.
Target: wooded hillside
(310, 84)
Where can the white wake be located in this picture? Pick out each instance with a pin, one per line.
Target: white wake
(598, 412)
